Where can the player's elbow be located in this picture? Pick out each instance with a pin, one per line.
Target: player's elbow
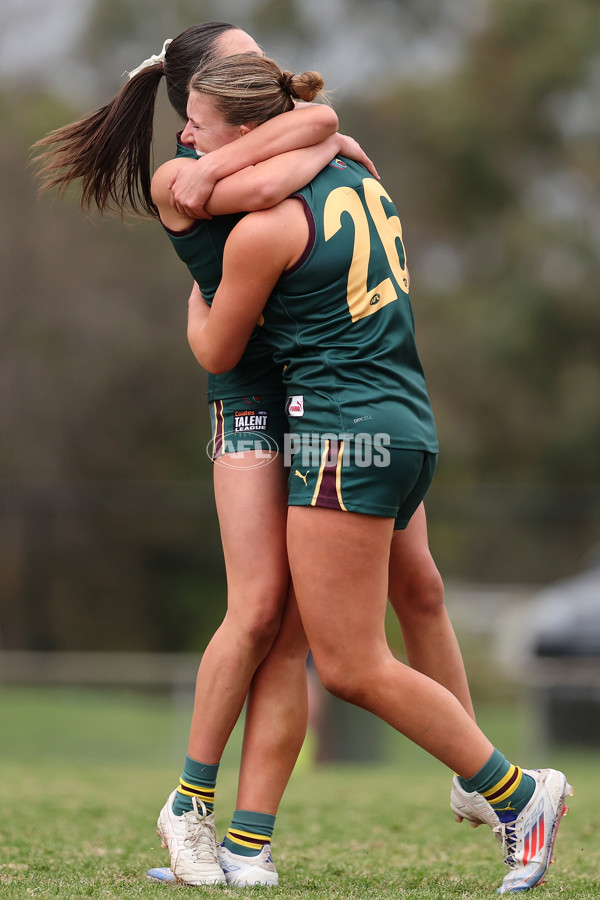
(208, 363)
(327, 119)
(211, 358)
(211, 363)
(219, 365)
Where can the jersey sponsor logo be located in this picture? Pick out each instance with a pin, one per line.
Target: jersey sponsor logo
(250, 420)
(295, 405)
(338, 164)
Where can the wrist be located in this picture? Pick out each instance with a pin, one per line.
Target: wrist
(211, 166)
(335, 143)
(221, 163)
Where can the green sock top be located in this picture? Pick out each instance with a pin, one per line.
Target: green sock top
(249, 832)
(505, 786)
(197, 780)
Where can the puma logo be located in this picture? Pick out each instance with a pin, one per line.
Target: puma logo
(303, 477)
(507, 808)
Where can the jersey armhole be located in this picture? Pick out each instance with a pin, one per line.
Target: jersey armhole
(312, 230)
(189, 230)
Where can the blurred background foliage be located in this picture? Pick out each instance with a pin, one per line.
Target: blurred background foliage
(483, 118)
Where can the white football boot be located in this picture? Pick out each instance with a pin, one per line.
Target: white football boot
(245, 871)
(528, 841)
(472, 807)
(191, 840)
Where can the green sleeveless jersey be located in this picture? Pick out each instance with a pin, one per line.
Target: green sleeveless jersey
(201, 247)
(341, 323)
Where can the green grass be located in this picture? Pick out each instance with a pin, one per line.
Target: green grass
(82, 776)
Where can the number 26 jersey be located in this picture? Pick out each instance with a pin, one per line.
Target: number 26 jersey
(340, 321)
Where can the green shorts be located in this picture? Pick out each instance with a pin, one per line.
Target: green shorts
(358, 473)
(254, 423)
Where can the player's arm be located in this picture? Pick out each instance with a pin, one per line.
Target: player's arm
(267, 183)
(260, 247)
(169, 216)
(302, 127)
(255, 187)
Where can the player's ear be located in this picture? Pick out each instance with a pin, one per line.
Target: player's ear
(244, 129)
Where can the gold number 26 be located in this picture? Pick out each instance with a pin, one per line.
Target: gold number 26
(361, 301)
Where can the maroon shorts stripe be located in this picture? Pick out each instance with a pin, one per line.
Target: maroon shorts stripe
(328, 491)
(219, 433)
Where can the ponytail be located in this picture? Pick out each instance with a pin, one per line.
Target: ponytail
(109, 150)
(306, 87)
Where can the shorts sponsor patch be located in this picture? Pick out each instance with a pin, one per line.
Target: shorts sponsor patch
(250, 420)
(295, 405)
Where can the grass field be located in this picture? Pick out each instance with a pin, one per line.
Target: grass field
(83, 775)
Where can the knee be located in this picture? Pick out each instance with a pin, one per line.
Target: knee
(343, 681)
(262, 626)
(256, 621)
(419, 592)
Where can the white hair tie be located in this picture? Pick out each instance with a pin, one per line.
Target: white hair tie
(158, 57)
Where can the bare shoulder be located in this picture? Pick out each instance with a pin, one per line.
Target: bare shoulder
(258, 251)
(164, 174)
(161, 194)
(279, 229)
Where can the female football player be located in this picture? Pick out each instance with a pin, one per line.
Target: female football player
(324, 272)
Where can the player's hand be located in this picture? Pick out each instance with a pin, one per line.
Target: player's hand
(353, 150)
(190, 189)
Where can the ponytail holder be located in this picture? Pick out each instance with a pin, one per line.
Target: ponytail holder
(151, 61)
(286, 82)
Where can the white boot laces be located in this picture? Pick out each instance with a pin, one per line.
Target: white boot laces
(509, 842)
(201, 834)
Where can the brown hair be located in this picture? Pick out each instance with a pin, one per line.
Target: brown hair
(247, 88)
(111, 149)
